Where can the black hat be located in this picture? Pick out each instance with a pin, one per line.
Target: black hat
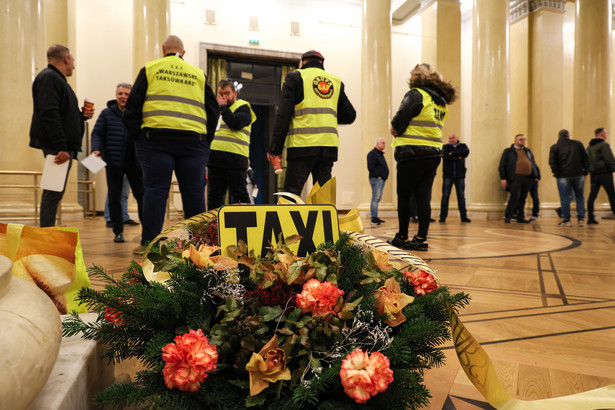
(312, 54)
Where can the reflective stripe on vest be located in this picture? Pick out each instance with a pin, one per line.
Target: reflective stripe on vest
(237, 142)
(314, 123)
(175, 97)
(426, 128)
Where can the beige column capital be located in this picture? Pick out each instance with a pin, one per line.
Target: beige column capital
(151, 24)
(376, 93)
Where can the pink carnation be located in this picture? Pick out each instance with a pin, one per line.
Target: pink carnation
(188, 360)
(364, 375)
(318, 298)
(423, 282)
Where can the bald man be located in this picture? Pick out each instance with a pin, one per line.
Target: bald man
(172, 115)
(57, 121)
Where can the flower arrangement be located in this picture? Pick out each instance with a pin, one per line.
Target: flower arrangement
(337, 329)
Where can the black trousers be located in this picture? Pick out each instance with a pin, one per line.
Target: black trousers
(519, 188)
(596, 181)
(299, 169)
(447, 187)
(415, 177)
(221, 180)
(51, 199)
(115, 182)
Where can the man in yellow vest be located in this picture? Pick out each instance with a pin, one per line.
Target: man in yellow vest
(172, 114)
(230, 151)
(312, 104)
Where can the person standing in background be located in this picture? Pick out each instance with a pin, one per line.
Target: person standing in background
(172, 114)
(378, 174)
(111, 142)
(57, 122)
(230, 150)
(454, 155)
(417, 129)
(601, 167)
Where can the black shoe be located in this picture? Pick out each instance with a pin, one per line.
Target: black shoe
(109, 224)
(506, 220)
(592, 222)
(523, 221)
(130, 222)
(442, 220)
(119, 237)
(399, 240)
(381, 220)
(467, 220)
(559, 212)
(416, 244)
(432, 220)
(375, 221)
(414, 220)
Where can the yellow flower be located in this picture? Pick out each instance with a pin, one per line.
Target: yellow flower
(201, 257)
(391, 301)
(268, 366)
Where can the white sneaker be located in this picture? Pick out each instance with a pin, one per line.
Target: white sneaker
(581, 222)
(565, 223)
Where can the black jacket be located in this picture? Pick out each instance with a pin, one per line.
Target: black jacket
(57, 122)
(235, 121)
(454, 160)
(568, 158)
(377, 164)
(133, 114)
(601, 159)
(110, 137)
(508, 164)
(292, 94)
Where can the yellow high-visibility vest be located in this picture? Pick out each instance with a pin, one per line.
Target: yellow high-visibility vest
(237, 142)
(314, 122)
(175, 97)
(426, 128)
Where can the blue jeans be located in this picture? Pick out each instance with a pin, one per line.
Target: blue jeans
(377, 187)
(124, 202)
(566, 186)
(447, 187)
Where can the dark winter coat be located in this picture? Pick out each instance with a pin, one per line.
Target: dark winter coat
(508, 164)
(110, 137)
(454, 160)
(377, 164)
(57, 122)
(568, 158)
(601, 159)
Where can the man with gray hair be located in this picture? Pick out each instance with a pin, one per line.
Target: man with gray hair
(111, 142)
(378, 174)
(172, 114)
(57, 122)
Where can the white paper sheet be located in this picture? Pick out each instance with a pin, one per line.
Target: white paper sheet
(94, 163)
(54, 175)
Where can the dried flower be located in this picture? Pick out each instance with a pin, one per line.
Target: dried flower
(391, 301)
(319, 298)
(423, 282)
(364, 375)
(268, 366)
(201, 257)
(188, 360)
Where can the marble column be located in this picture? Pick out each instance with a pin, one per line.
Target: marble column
(441, 47)
(546, 98)
(490, 128)
(592, 68)
(151, 24)
(22, 43)
(376, 94)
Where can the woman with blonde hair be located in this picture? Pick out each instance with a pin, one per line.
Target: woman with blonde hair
(417, 129)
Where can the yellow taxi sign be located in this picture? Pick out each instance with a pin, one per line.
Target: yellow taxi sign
(260, 226)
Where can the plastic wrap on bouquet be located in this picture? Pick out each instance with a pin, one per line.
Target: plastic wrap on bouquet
(50, 258)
